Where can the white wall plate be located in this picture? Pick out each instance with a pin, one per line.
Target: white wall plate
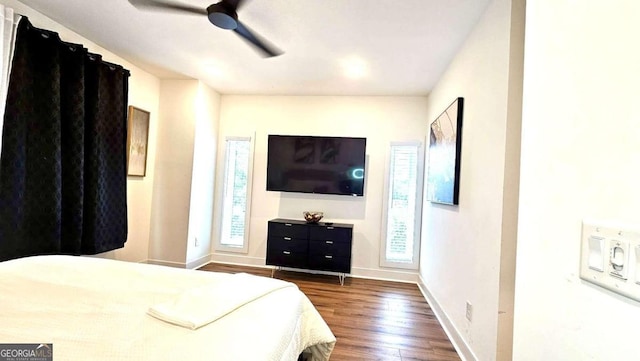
(610, 257)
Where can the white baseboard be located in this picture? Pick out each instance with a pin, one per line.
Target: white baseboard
(463, 349)
(385, 274)
(237, 259)
(189, 265)
(167, 263)
(378, 274)
(241, 260)
(197, 263)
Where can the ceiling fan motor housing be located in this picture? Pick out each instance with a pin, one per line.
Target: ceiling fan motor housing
(222, 17)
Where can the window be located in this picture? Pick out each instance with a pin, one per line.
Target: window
(403, 205)
(236, 197)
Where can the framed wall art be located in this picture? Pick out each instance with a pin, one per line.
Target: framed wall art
(445, 143)
(137, 141)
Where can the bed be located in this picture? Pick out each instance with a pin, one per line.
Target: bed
(100, 309)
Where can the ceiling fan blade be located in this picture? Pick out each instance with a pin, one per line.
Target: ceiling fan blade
(168, 6)
(267, 50)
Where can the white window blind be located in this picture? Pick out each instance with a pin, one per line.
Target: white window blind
(403, 205)
(236, 193)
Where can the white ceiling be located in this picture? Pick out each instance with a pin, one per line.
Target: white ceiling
(402, 46)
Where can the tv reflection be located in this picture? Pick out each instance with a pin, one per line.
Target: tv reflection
(354, 182)
(312, 164)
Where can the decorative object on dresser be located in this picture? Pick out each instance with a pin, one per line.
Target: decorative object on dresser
(313, 246)
(312, 217)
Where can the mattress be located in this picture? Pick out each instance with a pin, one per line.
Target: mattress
(98, 309)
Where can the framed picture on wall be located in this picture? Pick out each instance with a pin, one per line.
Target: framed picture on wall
(445, 143)
(137, 141)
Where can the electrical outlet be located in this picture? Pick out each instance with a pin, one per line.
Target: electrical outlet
(469, 311)
(197, 243)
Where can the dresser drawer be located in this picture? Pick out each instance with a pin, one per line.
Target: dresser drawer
(286, 258)
(278, 244)
(330, 233)
(330, 263)
(331, 248)
(289, 230)
(287, 252)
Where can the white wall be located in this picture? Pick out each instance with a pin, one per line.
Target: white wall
(202, 179)
(144, 90)
(174, 162)
(379, 119)
(580, 157)
(183, 196)
(462, 255)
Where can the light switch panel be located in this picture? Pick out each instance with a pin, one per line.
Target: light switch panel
(610, 257)
(637, 264)
(596, 253)
(618, 258)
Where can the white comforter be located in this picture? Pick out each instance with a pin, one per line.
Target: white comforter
(96, 309)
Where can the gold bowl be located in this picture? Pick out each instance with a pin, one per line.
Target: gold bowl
(312, 217)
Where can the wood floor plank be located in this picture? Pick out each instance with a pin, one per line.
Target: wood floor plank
(371, 319)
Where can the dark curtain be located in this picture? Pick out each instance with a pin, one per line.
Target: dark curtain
(63, 164)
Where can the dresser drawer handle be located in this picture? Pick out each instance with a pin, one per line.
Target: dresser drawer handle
(329, 242)
(287, 238)
(329, 227)
(286, 252)
(328, 257)
(287, 224)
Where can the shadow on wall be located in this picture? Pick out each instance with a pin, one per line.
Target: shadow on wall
(334, 207)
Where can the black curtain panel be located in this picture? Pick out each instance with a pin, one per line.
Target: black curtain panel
(63, 163)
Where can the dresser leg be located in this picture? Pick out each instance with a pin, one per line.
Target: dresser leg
(341, 277)
(274, 269)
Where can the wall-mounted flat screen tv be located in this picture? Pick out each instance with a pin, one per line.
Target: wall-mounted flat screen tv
(312, 164)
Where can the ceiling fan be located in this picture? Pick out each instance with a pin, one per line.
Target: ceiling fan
(222, 14)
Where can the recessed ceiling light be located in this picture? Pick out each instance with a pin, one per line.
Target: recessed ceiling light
(216, 70)
(355, 68)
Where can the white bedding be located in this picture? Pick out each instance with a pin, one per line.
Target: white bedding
(96, 309)
(197, 307)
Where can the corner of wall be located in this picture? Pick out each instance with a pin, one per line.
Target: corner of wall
(173, 169)
(476, 228)
(511, 184)
(201, 204)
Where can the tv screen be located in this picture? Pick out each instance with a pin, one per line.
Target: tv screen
(311, 164)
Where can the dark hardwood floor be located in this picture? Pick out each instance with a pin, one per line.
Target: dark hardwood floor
(372, 320)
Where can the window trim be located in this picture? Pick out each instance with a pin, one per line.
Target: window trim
(218, 243)
(384, 262)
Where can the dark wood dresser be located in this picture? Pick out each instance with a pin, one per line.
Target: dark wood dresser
(314, 246)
